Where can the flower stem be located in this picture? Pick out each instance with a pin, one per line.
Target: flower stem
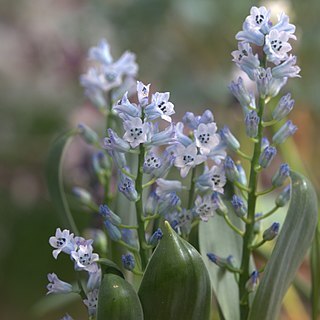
(249, 232)
(139, 210)
(233, 227)
(192, 188)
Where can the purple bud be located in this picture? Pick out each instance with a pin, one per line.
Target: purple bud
(267, 156)
(128, 261)
(231, 169)
(287, 130)
(283, 108)
(281, 175)
(252, 123)
(157, 235)
(239, 206)
(229, 139)
(270, 233)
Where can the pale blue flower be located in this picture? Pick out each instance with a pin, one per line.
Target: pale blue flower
(94, 79)
(114, 142)
(181, 137)
(160, 138)
(167, 161)
(218, 153)
(245, 59)
(160, 106)
(143, 93)
(119, 158)
(206, 137)
(187, 158)
(85, 259)
(57, 286)
(67, 317)
(204, 207)
(249, 34)
(94, 280)
(284, 25)
(212, 179)
(92, 301)
(276, 46)
(287, 68)
(244, 97)
(220, 207)
(151, 162)
(166, 186)
(259, 19)
(168, 202)
(101, 53)
(63, 241)
(127, 110)
(192, 121)
(136, 131)
(127, 187)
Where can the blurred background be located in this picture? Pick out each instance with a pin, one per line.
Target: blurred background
(182, 46)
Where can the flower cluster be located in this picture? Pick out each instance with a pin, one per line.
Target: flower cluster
(81, 253)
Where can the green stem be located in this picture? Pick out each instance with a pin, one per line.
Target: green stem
(139, 210)
(261, 193)
(149, 183)
(233, 227)
(269, 213)
(124, 244)
(257, 245)
(249, 232)
(243, 155)
(192, 188)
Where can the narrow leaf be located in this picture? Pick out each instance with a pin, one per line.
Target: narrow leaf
(55, 180)
(315, 275)
(292, 244)
(217, 237)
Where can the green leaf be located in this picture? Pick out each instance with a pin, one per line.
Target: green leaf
(217, 237)
(176, 284)
(55, 179)
(292, 244)
(315, 275)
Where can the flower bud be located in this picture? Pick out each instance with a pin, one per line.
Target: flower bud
(231, 169)
(157, 235)
(283, 108)
(221, 262)
(220, 207)
(283, 197)
(88, 134)
(267, 156)
(229, 139)
(83, 195)
(270, 233)
(113, 232)
(281, 175)
(128, 261)
(253, 281)
(287, 130)
(252, 123)
(242, 175)
(239, 206)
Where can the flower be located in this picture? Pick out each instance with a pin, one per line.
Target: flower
(281, 175)
(270, 233)
(252, 122)
(287, 68)
(92, 301)
(128, 261)
(57, 286)
(155, 237)
(136, 131)
(94, 280)
(187, 158)
(206, 137)
(287, 130)
(244, 97)
(192, 121)
(229, 139)
(160, 107)
(212, 179)
(166, 186)
(238, 205)
(204, 207)
(63, 241)
(276, 46)
(283, 108)
(85, 259)
(127, 187)
(143, 93)
(267, 156)
(125, 109)
(253, 282)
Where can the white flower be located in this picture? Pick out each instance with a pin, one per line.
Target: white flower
(101, 52)
(204, 207)
(62, 241)
(57, 286)
(67, 317)
(277, 46)
(94, 279)
(259, 19)
(187, 158)
(160, 107)
(143, 93)
(166, 186)
(206, 137)
(92, 301)
(213, 179)
(85, 259)
(136, 131)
